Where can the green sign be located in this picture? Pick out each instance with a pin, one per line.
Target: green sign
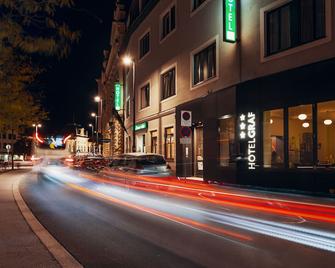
(230, 25)
(117, 96)
(141, 126)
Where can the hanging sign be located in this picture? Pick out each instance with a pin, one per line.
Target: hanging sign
(230, 20)
(247, 128)
(117, 96)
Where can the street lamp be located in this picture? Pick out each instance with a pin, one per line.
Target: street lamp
(37, 126)
(128, 61)
(98, 100)
(96, 123)
(92, 128)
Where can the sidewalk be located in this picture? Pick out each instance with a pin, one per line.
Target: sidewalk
(19, 246)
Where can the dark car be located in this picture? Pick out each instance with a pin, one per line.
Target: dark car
(141, 164)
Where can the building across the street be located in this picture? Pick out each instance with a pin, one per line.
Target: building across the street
(78, 144)
(255, 80)
(7, 141)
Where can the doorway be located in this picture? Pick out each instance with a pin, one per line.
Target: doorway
(198, 159)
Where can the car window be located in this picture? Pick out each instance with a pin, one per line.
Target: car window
(152, 160)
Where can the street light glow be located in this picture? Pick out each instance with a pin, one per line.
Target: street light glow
(97, 99)
(90, 125)
(127, 60)
(93, 114)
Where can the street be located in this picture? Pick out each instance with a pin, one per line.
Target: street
(105, 223)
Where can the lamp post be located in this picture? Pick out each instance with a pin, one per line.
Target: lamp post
(92, 128)
(96, 123)
(98, 100)
(128, 61)
(36, 127)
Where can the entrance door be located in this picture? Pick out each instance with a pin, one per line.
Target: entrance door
(198, 162)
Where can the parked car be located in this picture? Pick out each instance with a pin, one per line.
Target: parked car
(141, 164)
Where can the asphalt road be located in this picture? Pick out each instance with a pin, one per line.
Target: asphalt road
(110, 226)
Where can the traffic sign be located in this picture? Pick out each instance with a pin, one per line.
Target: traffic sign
(186, 118)
(185, 140)
(185, 132)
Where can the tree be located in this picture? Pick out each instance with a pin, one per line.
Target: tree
(28, 28)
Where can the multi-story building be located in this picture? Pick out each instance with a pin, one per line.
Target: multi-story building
(111, 122)
(257, 77)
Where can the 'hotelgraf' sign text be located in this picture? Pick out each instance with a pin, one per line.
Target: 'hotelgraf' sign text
(248, 133)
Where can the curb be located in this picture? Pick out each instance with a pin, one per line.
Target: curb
(62, 256)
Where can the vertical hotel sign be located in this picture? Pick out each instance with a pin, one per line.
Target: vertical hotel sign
(230, 20)
(117, 96)
(248, 134)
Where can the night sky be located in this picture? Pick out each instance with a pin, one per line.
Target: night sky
(69, 85)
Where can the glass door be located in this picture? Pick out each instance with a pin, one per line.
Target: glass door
(198, 152)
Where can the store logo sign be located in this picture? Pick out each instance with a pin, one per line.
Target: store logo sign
(248, 133)
(230, 20)
(117, 96)
(141, 126)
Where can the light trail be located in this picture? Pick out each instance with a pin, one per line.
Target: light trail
(210, 221)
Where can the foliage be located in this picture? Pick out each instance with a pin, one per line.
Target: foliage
(28, 28)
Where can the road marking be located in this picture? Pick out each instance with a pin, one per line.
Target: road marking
(62, 256)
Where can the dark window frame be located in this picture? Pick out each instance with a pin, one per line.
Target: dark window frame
(203, 54)
(147, 96)
(168, 22)
(144, 45)
(295, 25)
(167, 93)
(197, 4)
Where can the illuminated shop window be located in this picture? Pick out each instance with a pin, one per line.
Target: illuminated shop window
(169, 143)
(300, 136)
(227, 146)
(273, 138)
(293, 24)
(154, 142)
(326, 133)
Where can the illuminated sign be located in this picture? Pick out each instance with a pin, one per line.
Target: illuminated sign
(141, 126)
(230, 20)
(248, 133)
(117, 96)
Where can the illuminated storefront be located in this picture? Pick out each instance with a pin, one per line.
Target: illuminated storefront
(276, 132)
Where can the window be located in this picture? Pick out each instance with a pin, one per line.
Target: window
(204, 64)
(145, 45)
(197, 3)
(294, 24)
(128, 107)
(326, 133)
(168, 22)
(4, 136)
(227, 145)
(168, 83)
(169, 144)
(273, 138)
(154, 140)
(9, 136)
(300, 125)
(145, 96)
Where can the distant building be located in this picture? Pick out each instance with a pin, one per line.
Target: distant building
(7, 138)
(79, 143)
